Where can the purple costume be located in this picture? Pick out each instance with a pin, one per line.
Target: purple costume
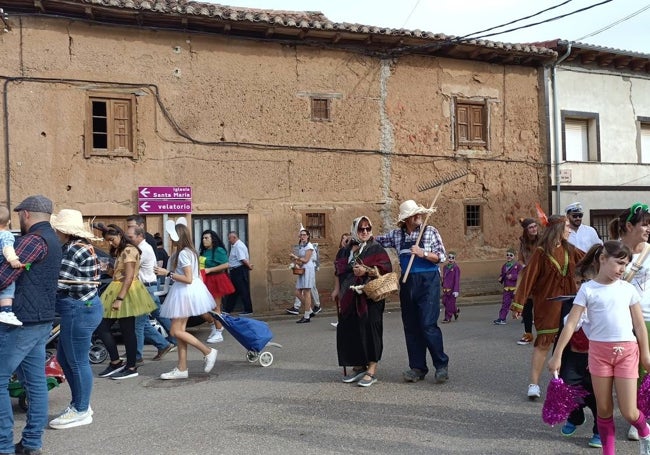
(509, 273)
(450, 284)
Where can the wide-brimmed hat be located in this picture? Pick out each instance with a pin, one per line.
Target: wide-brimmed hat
(70, 222)
(170, 227)
(409, 208)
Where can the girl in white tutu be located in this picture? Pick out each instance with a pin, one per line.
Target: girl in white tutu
(187, 297)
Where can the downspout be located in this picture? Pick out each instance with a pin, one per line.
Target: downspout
(5, 121)
(557, 129)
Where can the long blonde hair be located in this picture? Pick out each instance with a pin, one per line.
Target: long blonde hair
(184, 242)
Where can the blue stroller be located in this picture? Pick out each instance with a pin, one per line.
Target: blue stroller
(252, 334)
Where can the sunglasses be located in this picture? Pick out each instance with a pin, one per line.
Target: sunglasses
(364, 229)
(636, 208)
(577, 215)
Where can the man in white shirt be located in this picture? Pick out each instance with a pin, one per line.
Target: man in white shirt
(581, 236)
(144, 331)
(239, 268)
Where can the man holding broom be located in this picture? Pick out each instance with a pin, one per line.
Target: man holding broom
(420, 251)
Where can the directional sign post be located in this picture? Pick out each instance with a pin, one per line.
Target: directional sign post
(164, 199)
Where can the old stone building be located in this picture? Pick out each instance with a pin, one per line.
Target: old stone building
(273, 119)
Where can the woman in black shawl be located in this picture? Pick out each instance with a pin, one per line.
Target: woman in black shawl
(359, 333)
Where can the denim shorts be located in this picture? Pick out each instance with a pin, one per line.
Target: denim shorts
(8, 292)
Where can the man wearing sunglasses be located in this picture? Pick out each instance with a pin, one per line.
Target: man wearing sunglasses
(581, 236)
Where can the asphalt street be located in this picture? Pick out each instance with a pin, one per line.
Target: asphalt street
(299, 405)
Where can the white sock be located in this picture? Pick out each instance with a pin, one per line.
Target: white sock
(307, 314)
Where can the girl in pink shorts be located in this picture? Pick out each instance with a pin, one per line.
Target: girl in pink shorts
(614, 317)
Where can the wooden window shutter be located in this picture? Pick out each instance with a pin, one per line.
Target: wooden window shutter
(121, 125)
(462, 120)
(477, 123)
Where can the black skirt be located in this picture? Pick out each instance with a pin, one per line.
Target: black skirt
(360, 340)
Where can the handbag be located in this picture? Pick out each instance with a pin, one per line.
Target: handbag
(297, 270)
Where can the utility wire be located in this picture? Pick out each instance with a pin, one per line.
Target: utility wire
(411, 13)
(544, 21)
(614, 24)
(515, 21)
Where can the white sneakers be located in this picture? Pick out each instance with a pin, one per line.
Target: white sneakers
(209, 360)
(216, 336)
(71, 418)
(175, 374)
(534, 391)
(8, 317)
(633, 433)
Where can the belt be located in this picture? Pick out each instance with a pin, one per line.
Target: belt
(153, 283)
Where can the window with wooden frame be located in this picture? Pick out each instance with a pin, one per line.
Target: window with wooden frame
(580, 136)
(110, 123)
(315, 224)
(320, 109)
(644, 139)
(473, 217)
(471, 124)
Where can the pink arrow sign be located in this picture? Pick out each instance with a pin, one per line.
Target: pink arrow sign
(164, 206)
(164, 192)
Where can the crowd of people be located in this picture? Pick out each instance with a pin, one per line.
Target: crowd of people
(584, 297)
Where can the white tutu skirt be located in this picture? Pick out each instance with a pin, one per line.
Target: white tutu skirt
(185, 300)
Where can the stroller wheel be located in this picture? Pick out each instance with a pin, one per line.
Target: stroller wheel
(22, 402)
(252, 356)
(266, 358)
(97, 353)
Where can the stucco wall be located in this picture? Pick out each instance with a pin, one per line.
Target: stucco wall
(391, 130)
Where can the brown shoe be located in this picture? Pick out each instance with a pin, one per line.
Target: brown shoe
(163, 352)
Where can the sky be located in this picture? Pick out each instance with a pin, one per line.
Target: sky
(460, 18)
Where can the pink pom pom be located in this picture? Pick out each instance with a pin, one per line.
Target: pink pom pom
(561, 400)
(643, 395)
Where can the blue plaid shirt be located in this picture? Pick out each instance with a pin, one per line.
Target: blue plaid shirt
(431, 241)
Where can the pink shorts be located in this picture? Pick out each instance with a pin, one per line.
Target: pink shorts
(614, 359)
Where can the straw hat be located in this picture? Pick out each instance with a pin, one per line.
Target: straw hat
(71, 222)
(409, 208)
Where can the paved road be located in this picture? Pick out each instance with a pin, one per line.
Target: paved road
(299, 406)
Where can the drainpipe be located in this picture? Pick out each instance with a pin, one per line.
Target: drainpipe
(557, 128)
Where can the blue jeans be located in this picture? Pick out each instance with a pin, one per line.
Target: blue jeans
(144, 331)
(420, 303)
(78, 322)
(22, 349)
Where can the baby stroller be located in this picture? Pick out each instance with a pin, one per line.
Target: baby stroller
(252, 334)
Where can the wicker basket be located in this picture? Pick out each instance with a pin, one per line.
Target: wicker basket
(298, 270)
(382, 286)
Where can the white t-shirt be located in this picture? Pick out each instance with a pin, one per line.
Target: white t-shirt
(641, 282)
(609, 309)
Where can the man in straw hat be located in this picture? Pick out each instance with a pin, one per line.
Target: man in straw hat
(420, 295)
(23, 348)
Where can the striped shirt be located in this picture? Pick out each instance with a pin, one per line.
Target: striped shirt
(79, 263)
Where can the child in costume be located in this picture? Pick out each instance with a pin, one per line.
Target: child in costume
(509, 273)
(450, 287)
(617, 341)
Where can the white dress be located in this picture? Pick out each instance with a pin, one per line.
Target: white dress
(185, 300)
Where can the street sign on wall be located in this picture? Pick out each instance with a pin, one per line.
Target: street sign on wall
(164, 199)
